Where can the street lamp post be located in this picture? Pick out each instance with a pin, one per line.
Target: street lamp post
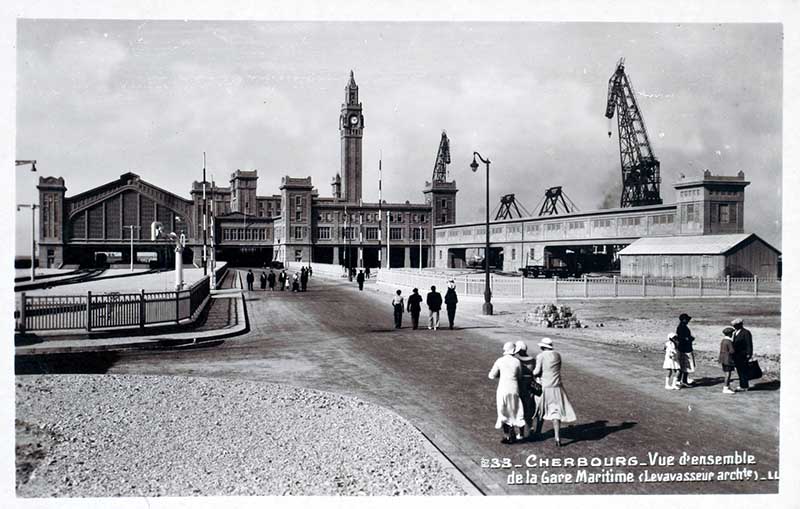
(131, 228)
(487, 308)
(33, 208)
(420, 248)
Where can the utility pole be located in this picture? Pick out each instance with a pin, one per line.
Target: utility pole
(131, 228)
(213, 235)
(205, 222)
(33, 208)
(388, 238)
(380, 212)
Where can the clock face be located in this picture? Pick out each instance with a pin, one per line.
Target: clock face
(354, 120)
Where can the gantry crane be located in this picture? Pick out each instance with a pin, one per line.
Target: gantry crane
(641, 177)
(442, 160)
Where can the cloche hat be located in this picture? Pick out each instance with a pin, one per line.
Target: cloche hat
(546, 343)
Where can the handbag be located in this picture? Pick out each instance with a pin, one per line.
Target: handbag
(536, 388)
(754, 370)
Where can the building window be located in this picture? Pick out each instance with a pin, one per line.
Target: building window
(372, 233)
(691, 213)
(299, 232)
(395, 234)
(497, 229)
(440, 254)
(629, 221)
(419, 234)
(513, 253)
(553, 227)
(444, 203)
(531, 228)
(423, 218)
(324, 233)
(348, 232)
(724, 213)
(444, 217)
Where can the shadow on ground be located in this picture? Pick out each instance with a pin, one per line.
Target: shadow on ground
(589, 431)
(67, 363)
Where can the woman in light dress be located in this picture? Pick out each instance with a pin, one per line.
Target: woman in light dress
(510, 412)
(553, 404)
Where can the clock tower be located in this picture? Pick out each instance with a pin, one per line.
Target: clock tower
(351, 130)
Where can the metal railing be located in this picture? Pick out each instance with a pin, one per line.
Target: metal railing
(586, 287)
(114, 309)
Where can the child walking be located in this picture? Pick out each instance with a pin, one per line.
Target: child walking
(726, 357)
(672, 363)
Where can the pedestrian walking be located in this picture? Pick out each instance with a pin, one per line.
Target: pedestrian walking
(397, 304)
(685, 340)
(450, 301)
(742, 353)
(310, 271)
(672, 363)
(510, 413)
(360, 280)
(263, 280)
(271, 280)
(553, 404)
(434, 302)
(366, 272)
(296, 282)
(526, 386)
(414, 307)
(727, 357)
(282, 280)
(303, 279)
(250, 279)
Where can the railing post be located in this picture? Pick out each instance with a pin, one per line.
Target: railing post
(755, 285)
(177, 306)
(644, 285)
(616, 287)
(728, 285)
(142, 309)
(672, 286)
(585, 286)
(555, 287)
(701, 286)
(522, 287)
(22, 314)
(89, 311)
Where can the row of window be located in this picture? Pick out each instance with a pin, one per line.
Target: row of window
(245, 234)
(354, 218)
(371, 233)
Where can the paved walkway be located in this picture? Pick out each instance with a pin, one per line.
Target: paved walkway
(338, 339)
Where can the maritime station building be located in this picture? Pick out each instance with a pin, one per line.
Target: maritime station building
(95, 227)
(701, 235)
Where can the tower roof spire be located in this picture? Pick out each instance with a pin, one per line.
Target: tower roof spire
(352, 83)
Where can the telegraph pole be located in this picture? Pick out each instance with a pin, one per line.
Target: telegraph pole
(205, 223)
(380, 212)
(131, 228)
(213, 236)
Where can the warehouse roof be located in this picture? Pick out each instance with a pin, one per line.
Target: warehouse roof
(694, 244)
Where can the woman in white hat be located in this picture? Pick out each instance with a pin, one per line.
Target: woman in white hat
(553, 404)
(510, 412)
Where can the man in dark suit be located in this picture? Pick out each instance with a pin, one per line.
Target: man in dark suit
(742, 352)
(250, 278)
(414, 301)
(434, 301)
(360, 279)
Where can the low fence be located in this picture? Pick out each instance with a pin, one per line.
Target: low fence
(586, 287)
(106, 310)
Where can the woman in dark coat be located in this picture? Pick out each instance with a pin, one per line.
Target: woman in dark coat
(526, 386)
(685, 340)
(263, 280)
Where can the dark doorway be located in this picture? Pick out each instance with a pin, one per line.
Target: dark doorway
(323, 254)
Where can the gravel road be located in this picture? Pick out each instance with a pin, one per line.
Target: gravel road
(126, 435)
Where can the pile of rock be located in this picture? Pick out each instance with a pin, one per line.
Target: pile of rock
(550, 315)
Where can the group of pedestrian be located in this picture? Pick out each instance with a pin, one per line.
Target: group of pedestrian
(434, 302)
(298, 282)
(735, 352)
(530, 391)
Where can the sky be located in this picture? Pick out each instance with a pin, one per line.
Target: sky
(97, 98)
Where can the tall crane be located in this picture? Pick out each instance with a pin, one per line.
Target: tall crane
(442, 160)
(641, 175)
